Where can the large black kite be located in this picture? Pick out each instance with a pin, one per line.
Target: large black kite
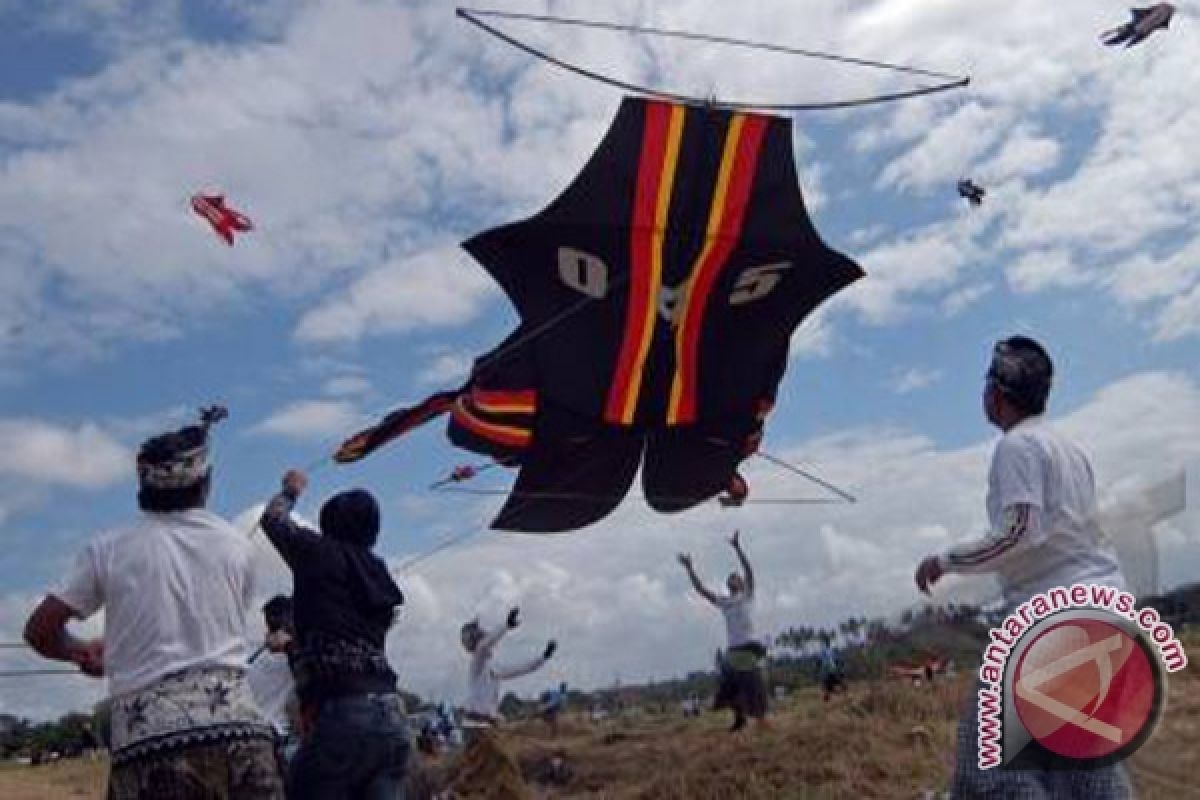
(657, 298)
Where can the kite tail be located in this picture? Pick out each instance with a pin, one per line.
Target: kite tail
(1117, 35)
(394, 425)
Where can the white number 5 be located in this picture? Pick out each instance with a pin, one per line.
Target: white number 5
(757, 282)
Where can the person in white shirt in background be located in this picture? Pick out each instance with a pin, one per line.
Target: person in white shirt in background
(1041, 506)
(175, 585)
(486, 765)
(742, 688)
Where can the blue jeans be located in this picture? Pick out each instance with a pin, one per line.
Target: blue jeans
(358, 748)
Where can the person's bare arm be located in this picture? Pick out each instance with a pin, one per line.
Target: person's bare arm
(46, 632)
(702, 590)
(741, 554)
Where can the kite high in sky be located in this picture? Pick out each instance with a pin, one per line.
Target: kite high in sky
(657, 295)
(223, 219)
(1144, 22)
(970, 191)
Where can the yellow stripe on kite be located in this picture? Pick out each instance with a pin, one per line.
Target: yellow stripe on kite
(661, 212)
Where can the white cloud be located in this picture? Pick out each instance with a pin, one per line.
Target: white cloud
(446, 369)
(311, 420)
(1024, 153)
(437, 288)
(960, 300)
(84, 457)
(1040, 270)
(814, 338)
(346, 385)
(903, 271)
(913, 379)
(948, 150)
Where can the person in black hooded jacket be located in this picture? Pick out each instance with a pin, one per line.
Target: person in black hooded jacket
(355, 742)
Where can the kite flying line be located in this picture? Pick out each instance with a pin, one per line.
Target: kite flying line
(475, 17)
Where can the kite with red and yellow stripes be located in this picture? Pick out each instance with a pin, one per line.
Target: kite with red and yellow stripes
(657, 295)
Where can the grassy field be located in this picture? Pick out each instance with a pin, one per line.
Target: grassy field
(888, 740)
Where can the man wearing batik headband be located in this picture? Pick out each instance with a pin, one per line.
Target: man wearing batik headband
(1041, 504)
(176, 587)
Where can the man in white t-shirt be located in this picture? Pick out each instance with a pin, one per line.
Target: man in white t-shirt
(486, 767)
(175, 586)
(742, 688)
(1041, 506)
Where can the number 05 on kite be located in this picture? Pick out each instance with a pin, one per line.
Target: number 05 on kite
(657, 298)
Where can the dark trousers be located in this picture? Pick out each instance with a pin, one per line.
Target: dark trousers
(357, 750)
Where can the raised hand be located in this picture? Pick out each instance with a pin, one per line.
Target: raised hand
(551, 646)
(295, 482)
(929, 572)
(685, 559)
(514, 617)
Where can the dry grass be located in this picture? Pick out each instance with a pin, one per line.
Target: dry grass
(880, 741)
(69, 780)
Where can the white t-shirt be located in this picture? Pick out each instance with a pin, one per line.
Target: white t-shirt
(483, 679)
(271, 683)
(1035, 465)
(739, 618)
(175, 588)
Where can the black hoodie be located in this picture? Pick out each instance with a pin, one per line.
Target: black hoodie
(343, 595)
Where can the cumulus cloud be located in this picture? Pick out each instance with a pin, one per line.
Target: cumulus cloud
(1037, 271)
(84, 457)
(310, 420)
(913, 379)
(445, 368)
(437, 288)
(346, 385)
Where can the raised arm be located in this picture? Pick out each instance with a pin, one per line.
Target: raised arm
(285, 535)
(492, 638)
(517, 670)
(686, 560)
(741, 554)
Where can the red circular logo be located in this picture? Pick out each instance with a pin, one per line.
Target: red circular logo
(1085, 688)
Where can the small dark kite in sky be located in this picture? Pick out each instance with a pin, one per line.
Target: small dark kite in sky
(1145, 21)
(971, 192)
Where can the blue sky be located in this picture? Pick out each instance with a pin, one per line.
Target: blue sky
(367, 139)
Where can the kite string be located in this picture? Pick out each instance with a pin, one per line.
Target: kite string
(522, 499)
(952, 82)
(779, 462)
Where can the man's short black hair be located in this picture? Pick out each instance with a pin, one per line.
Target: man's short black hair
(1023, 372)
(167, 500)
(278, 612)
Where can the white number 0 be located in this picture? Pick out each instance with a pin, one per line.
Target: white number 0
(583, 272)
